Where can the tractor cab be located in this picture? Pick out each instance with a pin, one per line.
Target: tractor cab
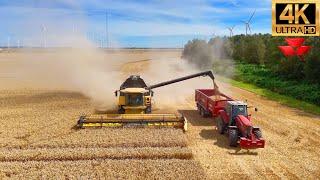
(235, 108)
(241, 128)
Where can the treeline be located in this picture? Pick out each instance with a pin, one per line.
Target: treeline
(212, 54)
(263, 49)
(259, 61)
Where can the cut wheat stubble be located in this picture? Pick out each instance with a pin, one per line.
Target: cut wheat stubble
(103, 169)
(117, 137)
(76, 154)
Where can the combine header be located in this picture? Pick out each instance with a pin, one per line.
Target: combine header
(134, 107)
(137, 120)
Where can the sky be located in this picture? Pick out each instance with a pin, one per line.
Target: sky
(135, 23)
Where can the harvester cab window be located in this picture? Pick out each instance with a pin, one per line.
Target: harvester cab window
(135, 99)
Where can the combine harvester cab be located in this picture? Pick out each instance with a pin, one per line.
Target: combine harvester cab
(231, 116)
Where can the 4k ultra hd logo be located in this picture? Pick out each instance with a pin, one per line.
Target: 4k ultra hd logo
(295, 17)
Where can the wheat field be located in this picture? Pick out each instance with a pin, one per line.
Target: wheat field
(38, 139)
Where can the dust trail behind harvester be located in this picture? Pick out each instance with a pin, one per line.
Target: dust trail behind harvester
(85, 70)
(69, 60)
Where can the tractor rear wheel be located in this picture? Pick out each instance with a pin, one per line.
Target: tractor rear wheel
(233, 137)
(221, 125)
(258, 133)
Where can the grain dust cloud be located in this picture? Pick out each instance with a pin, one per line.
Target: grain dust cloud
(79, 65)
(197, 56)
(60, 57)
(85, 70)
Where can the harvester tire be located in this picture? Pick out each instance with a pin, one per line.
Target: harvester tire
(258, 133)
(233, 137)
(221, 125)
(148, 110)
(121, 111)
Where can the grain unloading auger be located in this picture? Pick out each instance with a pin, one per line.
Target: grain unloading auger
(134, 106)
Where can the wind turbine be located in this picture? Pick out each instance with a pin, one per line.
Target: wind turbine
(231, 30)
(74, 29)
(213, 34)
(247, 23)
(44, 34)
(8, 42)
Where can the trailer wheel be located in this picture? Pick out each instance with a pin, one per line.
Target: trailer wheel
(233, 137)
(202, 113)
(221, 125)
(258, 133)
(199, 108)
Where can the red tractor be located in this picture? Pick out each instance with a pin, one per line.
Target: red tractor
(231, 116)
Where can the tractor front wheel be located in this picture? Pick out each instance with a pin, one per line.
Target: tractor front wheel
(233, 137)
(221, 125)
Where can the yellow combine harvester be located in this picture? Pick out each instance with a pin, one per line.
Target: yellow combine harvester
(134, 107)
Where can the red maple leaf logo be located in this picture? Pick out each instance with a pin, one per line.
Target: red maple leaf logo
(295, 48)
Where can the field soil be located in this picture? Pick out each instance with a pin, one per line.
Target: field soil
(38, 138)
